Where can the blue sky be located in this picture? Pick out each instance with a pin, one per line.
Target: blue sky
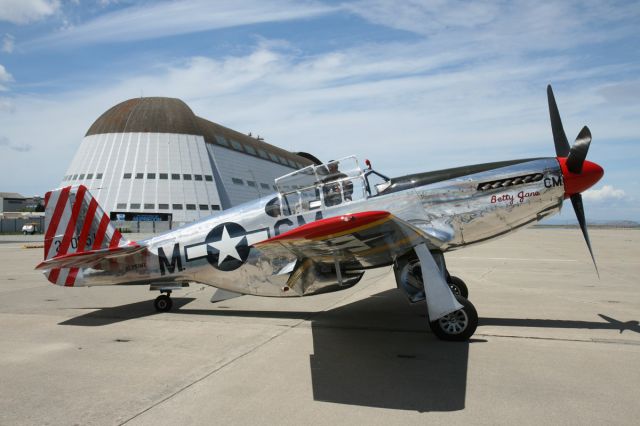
(411, 85)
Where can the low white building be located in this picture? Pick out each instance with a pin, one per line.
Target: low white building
(154, 159)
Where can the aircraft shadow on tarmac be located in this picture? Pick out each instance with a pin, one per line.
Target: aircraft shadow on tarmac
(375, 352)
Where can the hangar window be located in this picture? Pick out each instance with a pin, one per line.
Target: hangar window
(139, 175)
(175, 176)
(135, 205)
(121, 205)
(191, 206)
(292, 164)
(90, 176)
(81, 176)
(197, 177)
(151, 175)
(164, 176)
(237, 181)
(215, 207)
(221, 140)
(163, 206)
(282, 160)
(75, 177)
(236, 145)
(208, 178)
(149, 206)
(265, 186)
(126, 176)
(262, 153)
(251, 183)
(176, 206)
(99, 176)
(186, 177)
(251, 150)
(273, 157)
(203, 206)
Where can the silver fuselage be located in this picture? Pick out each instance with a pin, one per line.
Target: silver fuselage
(465, 207)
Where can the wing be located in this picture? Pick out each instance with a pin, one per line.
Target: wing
(91, 258)
(356, 241)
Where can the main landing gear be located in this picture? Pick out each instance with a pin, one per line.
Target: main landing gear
(163, 303)
(456, 326)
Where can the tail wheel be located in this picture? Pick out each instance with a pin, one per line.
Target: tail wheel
(163, 303)
(457, 326)
(458, 287)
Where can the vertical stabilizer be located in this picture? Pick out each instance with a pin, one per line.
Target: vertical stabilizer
(74, 223)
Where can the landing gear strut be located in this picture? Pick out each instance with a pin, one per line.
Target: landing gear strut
(163, 303)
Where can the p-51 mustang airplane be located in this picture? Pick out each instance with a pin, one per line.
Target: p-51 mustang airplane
(325, 227)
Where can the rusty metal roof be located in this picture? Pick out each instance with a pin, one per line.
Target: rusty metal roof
(170, 115)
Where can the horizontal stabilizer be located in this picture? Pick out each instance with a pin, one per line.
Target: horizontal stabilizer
(89, 259)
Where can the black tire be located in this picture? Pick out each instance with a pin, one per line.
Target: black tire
(163, 303)
(458, 287)
(457, 326)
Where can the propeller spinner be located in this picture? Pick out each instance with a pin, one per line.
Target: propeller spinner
(578, 173)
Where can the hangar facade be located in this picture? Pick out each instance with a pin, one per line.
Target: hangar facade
(154, 159)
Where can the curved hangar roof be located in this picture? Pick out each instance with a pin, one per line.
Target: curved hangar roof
(170, 115)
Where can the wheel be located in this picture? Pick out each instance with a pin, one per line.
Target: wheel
(458, 287)
(163, 303)
(457, 326)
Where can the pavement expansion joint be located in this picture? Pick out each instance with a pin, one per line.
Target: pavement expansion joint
(557, 339)
(243, 355)
(209, 374)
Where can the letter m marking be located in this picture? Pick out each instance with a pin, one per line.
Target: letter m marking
(175, 260)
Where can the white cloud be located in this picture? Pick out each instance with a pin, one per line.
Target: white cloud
(153, 20)
(6, 105)
(519, 25)
(5, 77)
(25, 11)
(8, 43)
(5, 142)
(426, 17)
(408, 108)
(605, 194)
(450, 98)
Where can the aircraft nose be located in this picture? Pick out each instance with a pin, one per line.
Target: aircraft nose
(575, 183)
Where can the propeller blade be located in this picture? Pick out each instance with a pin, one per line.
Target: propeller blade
(576, 201)
(559, 137)
(578, 152)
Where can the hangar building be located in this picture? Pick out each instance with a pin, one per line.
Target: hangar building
(154, 159)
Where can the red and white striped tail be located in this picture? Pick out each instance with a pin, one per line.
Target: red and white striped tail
(75, 223)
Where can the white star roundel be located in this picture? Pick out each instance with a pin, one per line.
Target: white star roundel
(227, 247)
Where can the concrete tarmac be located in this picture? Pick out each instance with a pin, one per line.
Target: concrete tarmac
(555, 345)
